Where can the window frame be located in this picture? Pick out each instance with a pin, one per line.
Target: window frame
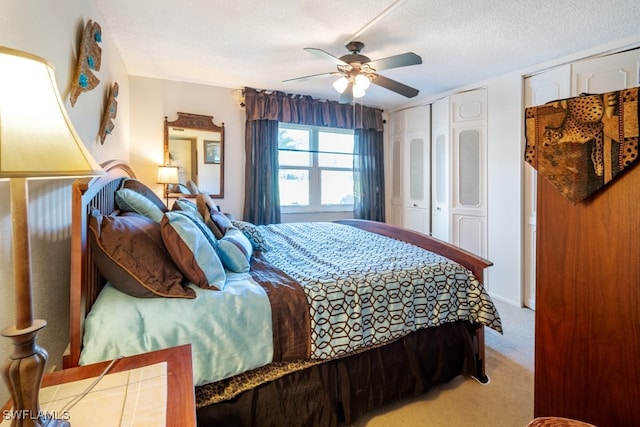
(315, 170)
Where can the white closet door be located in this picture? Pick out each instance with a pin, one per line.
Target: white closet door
(539, 89)
(396, 181)
(415, 210)
(469, 171)
(416, 188)
(397, 174)
(440, 170)
(469, 106)
(607, 73)
(469, 210)
(440, 188)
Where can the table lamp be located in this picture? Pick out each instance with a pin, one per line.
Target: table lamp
(167, 175)
(37, 140)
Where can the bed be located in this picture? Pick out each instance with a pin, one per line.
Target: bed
(327, 368)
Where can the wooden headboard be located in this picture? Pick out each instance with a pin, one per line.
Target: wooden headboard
(86, 282)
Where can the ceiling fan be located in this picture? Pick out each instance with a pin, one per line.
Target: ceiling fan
(357, 71)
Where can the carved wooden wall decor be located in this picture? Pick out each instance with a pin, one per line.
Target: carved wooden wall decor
(89, 58)
(110, 111)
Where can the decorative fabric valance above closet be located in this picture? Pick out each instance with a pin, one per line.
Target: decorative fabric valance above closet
(580, 144)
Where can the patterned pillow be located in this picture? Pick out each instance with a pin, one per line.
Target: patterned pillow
(129, 252)
(256, 238)
(131, 201)
(235, 250)
(193, 248)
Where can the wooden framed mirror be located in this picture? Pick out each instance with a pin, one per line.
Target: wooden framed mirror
(186, 137)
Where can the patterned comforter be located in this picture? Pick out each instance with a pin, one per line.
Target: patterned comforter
(364, 289)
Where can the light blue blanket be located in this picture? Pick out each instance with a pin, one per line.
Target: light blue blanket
(229, 330)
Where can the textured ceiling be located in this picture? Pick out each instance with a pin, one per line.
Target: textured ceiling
(259, 44)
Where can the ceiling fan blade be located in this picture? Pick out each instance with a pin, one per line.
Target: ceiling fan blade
(396, 61)
(321, 53)
(312, 76)
(395, 86)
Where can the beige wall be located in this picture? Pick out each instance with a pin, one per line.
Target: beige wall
(52, 30)
(153, 99)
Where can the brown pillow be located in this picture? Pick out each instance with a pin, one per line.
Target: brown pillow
(221, 222)
(215, 220)
(129, 253)
(203, 199)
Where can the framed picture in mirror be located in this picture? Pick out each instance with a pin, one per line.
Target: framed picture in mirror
(211, 152)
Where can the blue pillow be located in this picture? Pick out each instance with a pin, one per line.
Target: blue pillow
(141, 188)
(184, 204)
(192, 247)
(131, 201)
(235, 250)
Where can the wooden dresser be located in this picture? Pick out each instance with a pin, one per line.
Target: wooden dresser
(587, 357)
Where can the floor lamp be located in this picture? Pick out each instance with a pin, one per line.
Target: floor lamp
(37, 140)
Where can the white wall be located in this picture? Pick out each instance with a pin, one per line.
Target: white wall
(505, 191)
(52, 30)
(153, 99)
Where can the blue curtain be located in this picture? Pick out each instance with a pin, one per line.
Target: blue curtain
(368, 171)
(261, 196)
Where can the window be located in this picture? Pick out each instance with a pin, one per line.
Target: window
(316, 168)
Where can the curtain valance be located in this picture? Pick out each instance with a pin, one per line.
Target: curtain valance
(305, 110)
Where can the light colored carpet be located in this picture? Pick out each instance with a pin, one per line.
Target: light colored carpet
(507, 401)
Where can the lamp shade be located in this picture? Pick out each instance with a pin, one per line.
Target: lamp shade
(341, 84)
(168, 175)
(358, 92)
(362, 82)
(37, 138)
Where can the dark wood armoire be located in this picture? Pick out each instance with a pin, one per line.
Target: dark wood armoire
(587, 350)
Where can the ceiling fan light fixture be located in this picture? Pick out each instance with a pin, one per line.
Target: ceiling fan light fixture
(358, 92)
(362, 82)
(341, 84)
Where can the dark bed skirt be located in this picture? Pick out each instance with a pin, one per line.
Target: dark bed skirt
(342, 390)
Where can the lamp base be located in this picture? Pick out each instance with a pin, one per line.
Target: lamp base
(22, 373)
